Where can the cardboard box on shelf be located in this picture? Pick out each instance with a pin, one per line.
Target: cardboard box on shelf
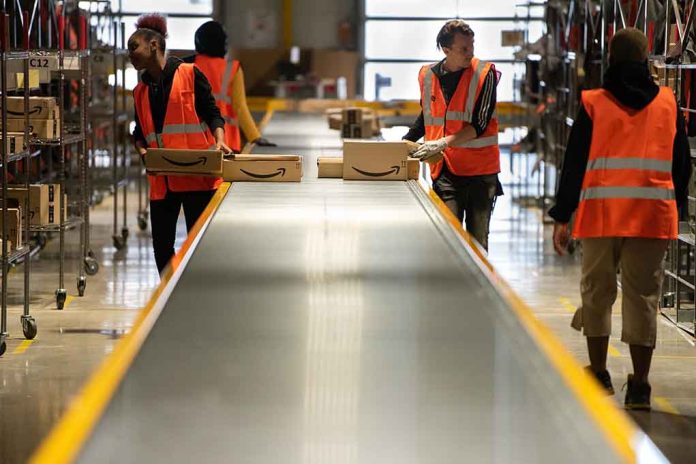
(372, 160)
(43, 202)
(178, 161)
(42, 128)
(39, 108)
(263, 168)
(14, 231)
(331, 168)
(14, 141)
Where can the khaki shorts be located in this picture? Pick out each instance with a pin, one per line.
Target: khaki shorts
(641, 261)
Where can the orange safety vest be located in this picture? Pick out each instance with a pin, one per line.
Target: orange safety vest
(181, 129)
(627, 190)
(473, 158)
(220, 72)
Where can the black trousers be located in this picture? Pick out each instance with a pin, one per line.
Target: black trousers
(471, 199)
(163, 216)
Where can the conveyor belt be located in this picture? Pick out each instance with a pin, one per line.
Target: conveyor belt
(331, 321)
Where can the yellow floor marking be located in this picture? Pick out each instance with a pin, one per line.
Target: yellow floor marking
(23, 346)
(68, 300)
(664, 405)
(565, 302)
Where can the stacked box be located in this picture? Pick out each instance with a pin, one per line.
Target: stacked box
(44, 116)
(43, 202)
(14, 230)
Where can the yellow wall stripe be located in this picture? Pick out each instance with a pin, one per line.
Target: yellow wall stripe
(615, 425)
(69, 435)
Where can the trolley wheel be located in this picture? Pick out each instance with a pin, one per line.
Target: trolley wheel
(124, 233)
(41, 240)
(142, 221)
(61, 296)
(29, 327)
(3, 347)
(119, 242)
(91, 266)
(81, 285)
(90, 253)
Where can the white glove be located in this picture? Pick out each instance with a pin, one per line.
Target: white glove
(430, 149)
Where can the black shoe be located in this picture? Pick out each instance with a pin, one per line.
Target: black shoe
(603, 378)
(637, 395)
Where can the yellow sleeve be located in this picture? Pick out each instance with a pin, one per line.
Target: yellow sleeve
(246, 122)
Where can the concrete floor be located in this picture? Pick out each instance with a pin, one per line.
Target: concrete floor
(39, 378)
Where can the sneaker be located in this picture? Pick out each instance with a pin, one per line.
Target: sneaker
(637, 395)
(603, 378)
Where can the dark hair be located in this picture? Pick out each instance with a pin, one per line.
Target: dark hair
(446, 35)
(629, 44)
(153, 26)
(211, 39)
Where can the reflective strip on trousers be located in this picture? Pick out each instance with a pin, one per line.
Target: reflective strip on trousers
(480, 142)
(642, 164)
(632, 193)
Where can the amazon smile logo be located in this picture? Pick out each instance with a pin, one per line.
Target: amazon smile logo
(279, 172)
(36, 110)
(202, 160)
(394, 170)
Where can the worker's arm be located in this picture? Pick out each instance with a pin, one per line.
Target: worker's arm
(239, 104)
(572, 175)
(207, 110)
(681, 163)
(138, 137)
(417, 130)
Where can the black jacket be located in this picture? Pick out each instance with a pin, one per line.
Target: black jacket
(159, 91)
(483, 108)
(633, 86)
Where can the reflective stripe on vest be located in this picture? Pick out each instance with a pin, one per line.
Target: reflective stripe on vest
(466, 115)
(226, 82)
(634, 193)
(643, 164)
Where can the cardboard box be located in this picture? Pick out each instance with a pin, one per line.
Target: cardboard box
(331, 168)
(176, 161)
(263, 168)
(357, 131)
(42, 128)
(39, 108)
(352, 115)
(14, 231)
(14, 141)
(413, 146)
(368, 160)
(43, 202)
(335, 121)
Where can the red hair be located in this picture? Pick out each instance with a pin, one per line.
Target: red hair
(154, 22)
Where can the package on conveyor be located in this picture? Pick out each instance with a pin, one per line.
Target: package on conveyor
(44, 202)
(14, 141)
(413, 146)
(332, 167)
(354, 122)
(172, 161)
(14, 231)
(44, 116)
(263, 168)
(375, 160)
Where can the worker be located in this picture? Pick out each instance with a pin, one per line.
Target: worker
(458, 97)
(227, 80)
(626, 171)
(174, 108)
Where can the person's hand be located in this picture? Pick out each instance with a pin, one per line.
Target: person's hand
(220, 145)
(560, 238)
(264, 142)
(430, 149)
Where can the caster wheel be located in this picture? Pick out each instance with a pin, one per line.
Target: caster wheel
(124, 233)
(3, 347)
(90, 253)
(142, 222)
(119, 242)
(81, 285)
(91, 266)
(61, 296)
(29, 327)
